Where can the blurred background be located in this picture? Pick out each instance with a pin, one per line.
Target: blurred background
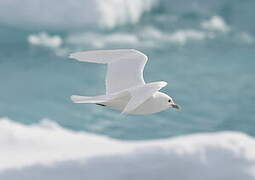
(204, 49)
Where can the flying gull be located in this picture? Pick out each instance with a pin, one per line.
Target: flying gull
(126, 89)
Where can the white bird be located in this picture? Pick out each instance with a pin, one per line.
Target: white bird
(125, 87)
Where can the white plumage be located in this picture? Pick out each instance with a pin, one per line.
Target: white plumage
(125, 86)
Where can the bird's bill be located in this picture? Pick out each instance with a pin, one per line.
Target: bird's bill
(176, 106)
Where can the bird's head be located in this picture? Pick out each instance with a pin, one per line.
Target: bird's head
(172, 104)
(166, 101)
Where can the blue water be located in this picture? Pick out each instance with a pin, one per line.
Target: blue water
(211, 78)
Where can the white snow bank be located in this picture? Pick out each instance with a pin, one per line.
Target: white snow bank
(47, 151)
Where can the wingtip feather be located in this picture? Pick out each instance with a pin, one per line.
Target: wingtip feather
(73, 98)
(74, 56)
(164, 83)
(71, 56)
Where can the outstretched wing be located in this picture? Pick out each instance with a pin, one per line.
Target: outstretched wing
(125, 67)
(140, 94)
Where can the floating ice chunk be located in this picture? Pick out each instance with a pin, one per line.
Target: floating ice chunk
(99, 40)
(246, 38)
(216, 23)
(43, 39)
(182, 36)
(119, 12)
(69, 14)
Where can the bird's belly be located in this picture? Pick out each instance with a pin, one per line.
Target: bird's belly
(147, 107)
(150, 106)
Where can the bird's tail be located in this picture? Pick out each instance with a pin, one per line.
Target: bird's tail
(90, 99)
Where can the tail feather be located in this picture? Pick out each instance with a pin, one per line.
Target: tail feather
(90, 99)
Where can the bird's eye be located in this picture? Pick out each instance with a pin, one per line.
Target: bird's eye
(169, 100)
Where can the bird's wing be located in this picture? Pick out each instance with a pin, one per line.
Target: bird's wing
(140, 94)
(125, 67)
